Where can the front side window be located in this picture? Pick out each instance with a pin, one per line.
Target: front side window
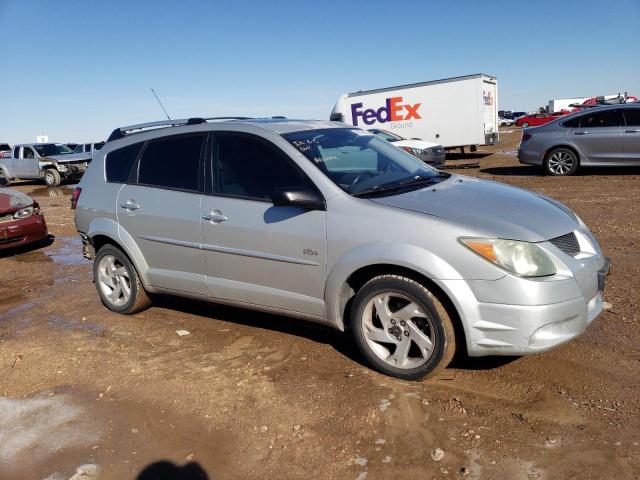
(78, 149)
(172, 163)
(608, 118)
(119, 163)
(632, 117)
(28, 153)
(246, 166)
(361, 163)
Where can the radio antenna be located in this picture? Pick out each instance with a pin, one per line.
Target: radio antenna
(162, 106)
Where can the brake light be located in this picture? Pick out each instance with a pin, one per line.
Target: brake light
(74, 198)
(526, 136)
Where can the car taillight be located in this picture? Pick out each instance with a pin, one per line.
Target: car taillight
(526, 136)
(74, 198)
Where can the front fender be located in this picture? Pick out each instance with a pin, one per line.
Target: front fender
(402, 255)
(111, 229)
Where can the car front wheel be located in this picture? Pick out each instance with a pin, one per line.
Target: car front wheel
(401, 328)
(561, 162)
(118, 283)
(52, 177)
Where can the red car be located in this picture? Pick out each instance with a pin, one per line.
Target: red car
(539, 118)
(20, 220)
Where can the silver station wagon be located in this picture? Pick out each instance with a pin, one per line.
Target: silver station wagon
(328, 223)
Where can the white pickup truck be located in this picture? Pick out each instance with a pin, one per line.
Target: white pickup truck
(50, 162)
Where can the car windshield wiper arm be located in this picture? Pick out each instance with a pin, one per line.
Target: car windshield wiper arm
(412, 181)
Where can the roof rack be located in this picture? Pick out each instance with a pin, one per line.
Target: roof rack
(122, 132)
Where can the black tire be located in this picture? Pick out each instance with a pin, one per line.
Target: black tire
(4, 180)
(561, 162)
(52, 177)
(440, 328)
(139, 298)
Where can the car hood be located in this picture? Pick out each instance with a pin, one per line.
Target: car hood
(484, 206)
(69, 157)
(11, 200)
(421, 144)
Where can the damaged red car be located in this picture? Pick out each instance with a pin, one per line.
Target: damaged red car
(21, 221)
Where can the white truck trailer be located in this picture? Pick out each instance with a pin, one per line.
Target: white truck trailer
(454, 112)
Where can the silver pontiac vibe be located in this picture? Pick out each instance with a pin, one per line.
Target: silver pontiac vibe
(329, 223)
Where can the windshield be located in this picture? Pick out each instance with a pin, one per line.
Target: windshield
(48, 149)
(361, 163)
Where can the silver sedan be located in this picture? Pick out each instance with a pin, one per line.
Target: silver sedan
(600, 136)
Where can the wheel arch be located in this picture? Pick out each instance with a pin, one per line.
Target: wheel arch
(357, 267)
(563, 145)
(104, 231)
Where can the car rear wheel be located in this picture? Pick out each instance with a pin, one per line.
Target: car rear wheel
(52, 177)
(561, 162)
(118, 283)
(401, 328)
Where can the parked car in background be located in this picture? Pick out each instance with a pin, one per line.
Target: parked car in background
(88, 147)
(598, 136)
(50, 162)
(505, 122)
(428, 152)
(539, 119)
(330, 223)
(21, 221)
(5, 150)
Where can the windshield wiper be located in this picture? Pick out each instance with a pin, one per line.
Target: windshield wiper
(398, 186)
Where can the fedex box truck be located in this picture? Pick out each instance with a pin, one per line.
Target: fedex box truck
(454, 112)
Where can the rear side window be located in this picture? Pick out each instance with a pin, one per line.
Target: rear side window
(572, 123)
(608, 118)
(632, 117)
(119, 163)
(172, 163)
(249, 167)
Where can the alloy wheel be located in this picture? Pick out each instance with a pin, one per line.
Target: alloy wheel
(114, 280)
(398, 330)
(560, 163)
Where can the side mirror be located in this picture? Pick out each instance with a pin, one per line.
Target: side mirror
(298, 197)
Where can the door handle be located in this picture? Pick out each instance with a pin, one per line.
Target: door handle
(632, 131)
(216, 217)
(580, 133)
(130, 205)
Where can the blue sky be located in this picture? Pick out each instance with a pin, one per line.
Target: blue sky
(76, 69)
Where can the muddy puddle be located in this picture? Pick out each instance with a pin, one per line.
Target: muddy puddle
(67, 251)
(64, 191)
(57, 432)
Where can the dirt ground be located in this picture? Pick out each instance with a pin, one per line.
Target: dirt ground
(253, 396)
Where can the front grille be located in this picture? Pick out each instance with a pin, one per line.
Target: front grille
(567, 243)
(8, 217)
(11, 239)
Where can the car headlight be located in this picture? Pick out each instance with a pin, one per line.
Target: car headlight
(521, 258)
(24, 213)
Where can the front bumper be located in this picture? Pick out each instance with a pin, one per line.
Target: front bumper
(505, 329)
(22, 232)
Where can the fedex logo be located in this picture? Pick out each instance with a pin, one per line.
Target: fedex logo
(393, 111)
